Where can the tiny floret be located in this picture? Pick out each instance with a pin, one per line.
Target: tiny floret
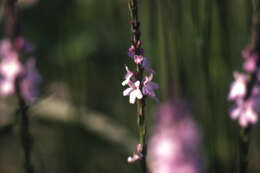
(238, 87)
(149, 86)
(136, 156)
(133, 91)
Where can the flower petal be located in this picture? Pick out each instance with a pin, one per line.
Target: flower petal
(132, 97)
(127, 91)
(235, 112)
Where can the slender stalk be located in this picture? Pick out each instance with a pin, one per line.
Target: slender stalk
(243, 149)
(26, 138)
(135, 39)
(12, 32)
(244, 139)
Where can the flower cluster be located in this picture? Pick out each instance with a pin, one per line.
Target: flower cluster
(245, 109)
(175, 142)
(11, 69)
(138, 89)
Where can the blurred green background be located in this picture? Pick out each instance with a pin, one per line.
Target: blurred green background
(82, 122)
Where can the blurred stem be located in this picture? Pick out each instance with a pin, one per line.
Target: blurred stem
(244, 140)
(243, 149)
(26, 138)
(11, 19)
(135, 28)
(12, 31)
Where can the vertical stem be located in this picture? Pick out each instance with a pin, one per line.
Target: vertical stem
(135, 28)
(12, 31)
(11, 20)
(243, 149)
(244, 139)
(26, 138)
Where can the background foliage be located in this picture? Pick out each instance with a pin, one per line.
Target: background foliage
(82, 123)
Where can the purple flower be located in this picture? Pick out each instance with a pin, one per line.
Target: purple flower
(23, 45)
(174, 145)
(146, 65)
(149, 86)
(133, 91)
(238, 87)
(30, 82)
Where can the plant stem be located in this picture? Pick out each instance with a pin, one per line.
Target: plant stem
(135, 28)
(12, 32)
(244, 140)
(26, 138)
(243, 149)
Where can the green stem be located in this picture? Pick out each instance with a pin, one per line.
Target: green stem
(26, 138)
(243, 149)
(135, 28)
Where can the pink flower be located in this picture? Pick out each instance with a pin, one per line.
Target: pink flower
(133, 91)
(174, 146)
(247, 52)
(128, 76)
(131, 51)
(250, 63)
(136, 156)
(5, 47)
(6, 87)
(138, 59)
(10, 66)
(238, 87)
(29, 82)
(245, 113)
(149, 86)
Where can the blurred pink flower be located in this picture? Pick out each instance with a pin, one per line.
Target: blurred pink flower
(247, 52)
(250, 63)
(238, 87)
(30, 81)
(244, 112)
(246, 106)
(6, 88)
(5, 47)
(10, 66)
(174, 146)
